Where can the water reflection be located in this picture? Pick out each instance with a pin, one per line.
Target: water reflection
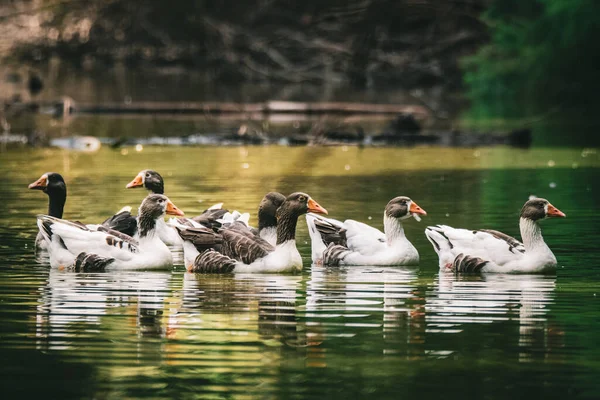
(340, 302)
(76, 305)
(252, 307)
(459, 301)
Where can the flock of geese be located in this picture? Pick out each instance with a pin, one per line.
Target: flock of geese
(219, 241)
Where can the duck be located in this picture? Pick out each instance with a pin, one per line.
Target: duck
(486, 250)
(72, 244)
(237, 249)
(351, 242)
(53, 184)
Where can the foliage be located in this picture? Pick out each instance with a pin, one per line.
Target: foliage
(543, 56)
(414, 43)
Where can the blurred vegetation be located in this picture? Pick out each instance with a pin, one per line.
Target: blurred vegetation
(542, 58)
(415, 43)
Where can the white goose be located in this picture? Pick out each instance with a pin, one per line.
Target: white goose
(237, 249)
(462, 250)
(74, 245)
(356, 243)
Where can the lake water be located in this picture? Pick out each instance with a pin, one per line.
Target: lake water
(352, 332)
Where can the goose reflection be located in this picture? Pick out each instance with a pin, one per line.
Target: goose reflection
(457, 302)
(366, 299)
(242, 306)
(83, 305)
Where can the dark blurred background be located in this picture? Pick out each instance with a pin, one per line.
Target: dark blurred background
(470, 62)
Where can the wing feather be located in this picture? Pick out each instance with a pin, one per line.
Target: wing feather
(244, 246)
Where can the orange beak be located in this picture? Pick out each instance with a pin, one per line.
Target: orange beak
(40, 184)
(554, 212)
(415, 209)
(136, 182)
(314, 207)
(173, 210)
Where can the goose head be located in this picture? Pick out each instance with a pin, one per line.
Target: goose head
(156, 206)
(267, 209)
(299, 203)
(403, 207)
(287, 214)
(538, 209)
(50, 183)
(149, 179)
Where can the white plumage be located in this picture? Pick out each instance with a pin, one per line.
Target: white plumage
(463, 250)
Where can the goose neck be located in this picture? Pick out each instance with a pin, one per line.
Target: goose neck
(393, 229)
(56, 203)
(531, 233)
(286, 226)
(146, 226)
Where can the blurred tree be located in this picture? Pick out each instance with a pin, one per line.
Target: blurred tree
(414, 43)
(543, 56)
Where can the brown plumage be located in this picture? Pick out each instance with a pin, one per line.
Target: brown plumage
(202, 238)
(513, 244)
(331, 233)
(243, 245)
(333, 254)
(212, 262)
(467, 264)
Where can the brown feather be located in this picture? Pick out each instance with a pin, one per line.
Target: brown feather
(244, 246)
(212, 261)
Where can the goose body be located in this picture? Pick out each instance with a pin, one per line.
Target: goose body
(462, 250)
(356, 243)
(236, 248)
(73, 244)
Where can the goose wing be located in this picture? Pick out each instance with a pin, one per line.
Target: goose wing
(77, 238)
(123, 222)
(202, 238)
(486, 244)
(363, 238)
(210, 218)
(331, 231)
(242, 245)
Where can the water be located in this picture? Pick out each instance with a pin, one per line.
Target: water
(351, 332)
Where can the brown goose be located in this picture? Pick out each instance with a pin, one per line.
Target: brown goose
(463, 250)
(238, 249)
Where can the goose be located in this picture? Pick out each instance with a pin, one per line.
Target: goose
(194, 240)
(53, 184)
(356, 243)
(485, 250)
(238, 249)
(73, 244)
(153, 182)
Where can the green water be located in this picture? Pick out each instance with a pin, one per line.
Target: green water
(353, 332)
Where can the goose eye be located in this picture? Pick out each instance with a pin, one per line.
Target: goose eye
(147, 175)
(302, 198)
